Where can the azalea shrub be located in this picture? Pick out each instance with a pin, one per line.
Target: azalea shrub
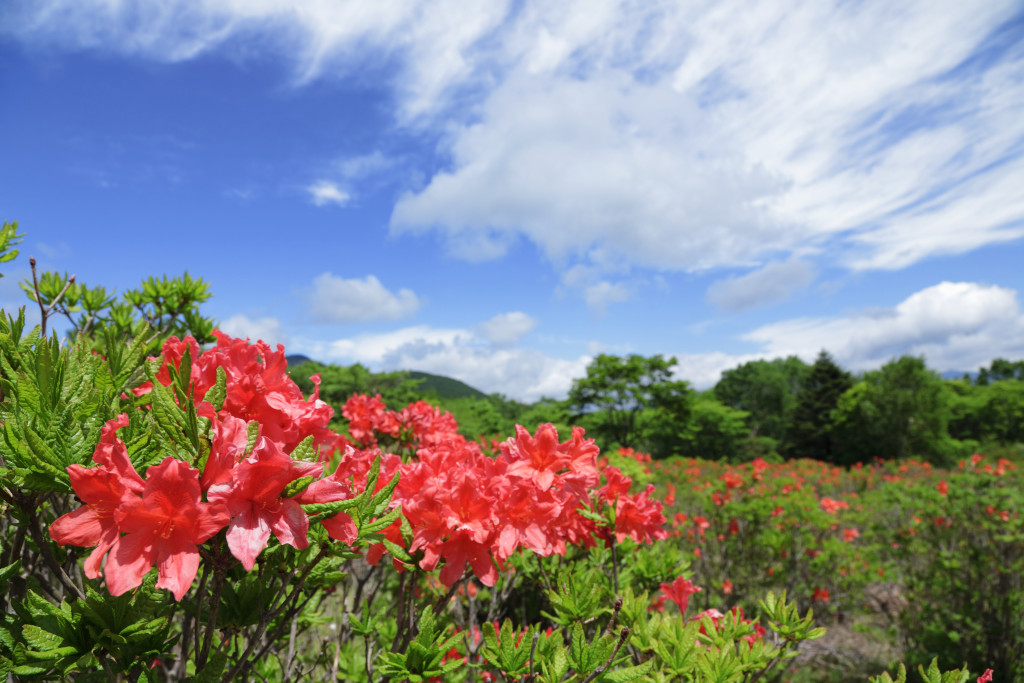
(932, 559)
(176, 508)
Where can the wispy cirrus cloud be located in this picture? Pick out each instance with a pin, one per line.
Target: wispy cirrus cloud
(772, 283)
(679, 136)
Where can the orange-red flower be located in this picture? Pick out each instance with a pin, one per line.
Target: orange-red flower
(253, 498)
(164, 527)
(679, 592)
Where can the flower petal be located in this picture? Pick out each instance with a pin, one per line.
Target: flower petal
(291, 524)
(129, 560)
(177, 563)
(80, 527)
(247, 536)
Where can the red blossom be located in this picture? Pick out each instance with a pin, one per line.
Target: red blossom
(679, 592)
(253, 498)
(164, 527)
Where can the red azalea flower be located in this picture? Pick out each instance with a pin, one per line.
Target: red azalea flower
(537, 458)
(103, 489)
(253, 498)
(985, 677)
(679, 592)
(164, 527)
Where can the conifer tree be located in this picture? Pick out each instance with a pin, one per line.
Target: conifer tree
(811, 434)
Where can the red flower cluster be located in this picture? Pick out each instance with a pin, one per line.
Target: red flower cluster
(462, 505)
(833, 506)
(258, 388)
(466, 507)
(165, 517)
(419, 424)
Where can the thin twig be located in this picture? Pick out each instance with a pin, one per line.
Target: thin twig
(623, 636)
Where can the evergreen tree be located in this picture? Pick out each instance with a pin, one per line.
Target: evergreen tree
(811, 434)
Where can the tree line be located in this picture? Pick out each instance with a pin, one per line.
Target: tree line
(774, 409)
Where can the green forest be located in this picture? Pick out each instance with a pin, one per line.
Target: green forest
(773, 409)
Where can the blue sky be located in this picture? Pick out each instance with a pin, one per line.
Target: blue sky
(497, 191)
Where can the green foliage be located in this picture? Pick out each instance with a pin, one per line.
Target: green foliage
(422, 660)
(811, 432)
(899, 411)
(159, 308)
(1000, 369)
(990, 412)
(767, 391)
(617, 391)
(9, 238)
(509, 651)
(714, 431)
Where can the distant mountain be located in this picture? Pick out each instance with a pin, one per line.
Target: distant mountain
(297, 359)
(445, 387)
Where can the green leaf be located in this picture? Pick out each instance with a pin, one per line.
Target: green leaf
(296, 487)
(214, 668)
(39, 638)
(305, 451)
(631, 673)
(219, 391)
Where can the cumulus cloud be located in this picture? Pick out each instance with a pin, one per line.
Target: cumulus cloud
(719, 142)
(267, 329)
(324, 192)
(770, 284)
(525, 375)
(958, 326)
(340, 300)
(955, 325)
(507, 329)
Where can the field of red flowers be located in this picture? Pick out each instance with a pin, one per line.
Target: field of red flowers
(213, 523)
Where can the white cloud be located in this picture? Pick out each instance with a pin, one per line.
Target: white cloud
(955, 325)
(432, 41)
(356, 167)
(728, 136)
(525, 375)
(958, 326)
(703, 370)
(676, 136)
(337, 300)
(324, 192)
(267, 329)
(601, 295)
(772, 283)
(507, 329)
